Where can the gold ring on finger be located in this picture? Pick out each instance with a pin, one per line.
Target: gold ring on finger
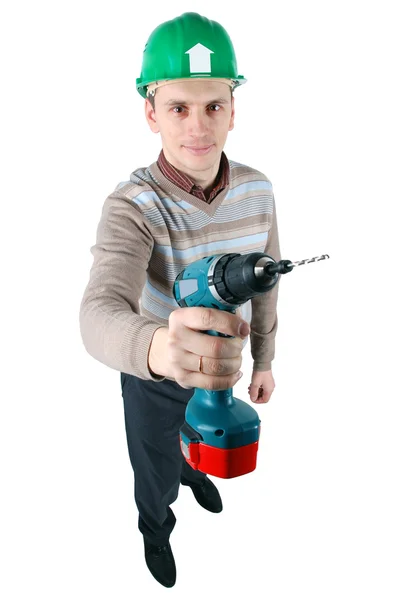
(201, 364)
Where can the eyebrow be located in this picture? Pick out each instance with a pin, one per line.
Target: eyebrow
(173, 102)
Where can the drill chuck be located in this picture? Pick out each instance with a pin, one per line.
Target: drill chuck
(239, 277)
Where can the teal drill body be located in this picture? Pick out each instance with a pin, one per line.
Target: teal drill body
(221, 433)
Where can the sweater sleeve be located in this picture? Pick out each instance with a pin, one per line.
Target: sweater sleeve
(111, 327)
(264, 323)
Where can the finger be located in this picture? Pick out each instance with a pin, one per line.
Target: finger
(262, 399)
(190, 361)
(208, 382)
(202, 344)
(256, 394)
(204, 319)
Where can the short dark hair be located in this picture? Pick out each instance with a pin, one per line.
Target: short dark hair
(151, 98)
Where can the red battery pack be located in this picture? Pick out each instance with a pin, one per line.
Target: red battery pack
(224, 463)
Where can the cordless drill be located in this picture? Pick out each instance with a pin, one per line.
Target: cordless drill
(220, 434)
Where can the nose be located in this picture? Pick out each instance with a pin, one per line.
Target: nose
(197, 123)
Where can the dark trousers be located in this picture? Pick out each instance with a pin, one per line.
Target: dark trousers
(154, 412)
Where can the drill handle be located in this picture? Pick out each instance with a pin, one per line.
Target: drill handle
(213, 332)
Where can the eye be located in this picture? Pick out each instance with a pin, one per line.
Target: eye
(216, 105)
(177, 107)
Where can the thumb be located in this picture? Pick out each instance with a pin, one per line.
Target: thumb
(243, 329)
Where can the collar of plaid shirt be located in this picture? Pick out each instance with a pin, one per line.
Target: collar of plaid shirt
(184, 182)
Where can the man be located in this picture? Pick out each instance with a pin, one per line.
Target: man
(192, 202)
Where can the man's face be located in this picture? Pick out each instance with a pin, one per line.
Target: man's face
(192, 114)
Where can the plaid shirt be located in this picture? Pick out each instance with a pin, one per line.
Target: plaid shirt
(181, 180)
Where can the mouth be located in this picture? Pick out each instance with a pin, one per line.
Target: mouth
(199, 150)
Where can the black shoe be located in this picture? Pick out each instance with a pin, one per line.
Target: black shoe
(160, 562)
(206, 494)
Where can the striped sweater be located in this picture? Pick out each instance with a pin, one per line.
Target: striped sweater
(150, 230)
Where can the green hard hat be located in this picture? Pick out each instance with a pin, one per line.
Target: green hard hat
(188, 47)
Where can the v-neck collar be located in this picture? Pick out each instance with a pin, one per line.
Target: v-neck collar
(179, 194)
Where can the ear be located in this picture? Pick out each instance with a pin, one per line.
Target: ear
(232, 120)
(151, 117)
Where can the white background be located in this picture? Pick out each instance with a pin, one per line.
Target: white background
(317, 519)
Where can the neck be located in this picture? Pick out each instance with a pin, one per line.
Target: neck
(206, 179)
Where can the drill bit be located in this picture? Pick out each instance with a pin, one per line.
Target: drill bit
(285, 266)
(309, 260)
